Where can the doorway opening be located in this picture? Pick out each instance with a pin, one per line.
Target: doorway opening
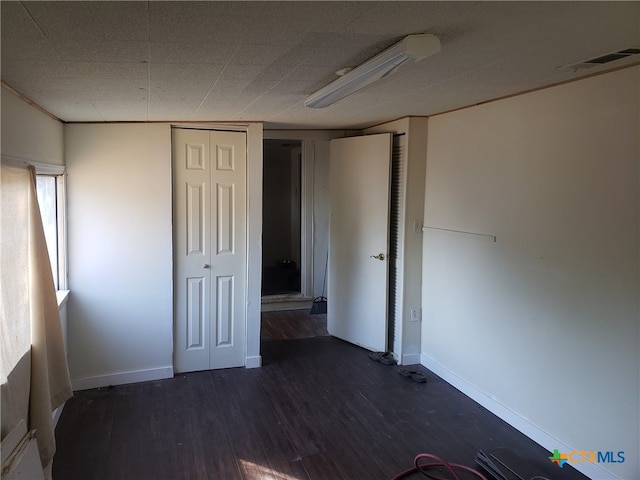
(281, 215)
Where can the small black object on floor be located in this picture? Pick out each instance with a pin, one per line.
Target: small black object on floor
(508, 464)
(385, 358)
(414, 375)
(319, 305)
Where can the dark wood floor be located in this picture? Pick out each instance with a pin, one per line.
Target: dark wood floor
(319, 408)
(291, 324)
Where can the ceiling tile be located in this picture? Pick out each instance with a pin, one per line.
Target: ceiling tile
(191, 53)
(97, 20)
(28, 48)
(16, 22)
(250, 54)
(82, 110)
(252, 74)
(187, 83)
(220, 9)
(120, 110)
(103, 51)
(193, 27)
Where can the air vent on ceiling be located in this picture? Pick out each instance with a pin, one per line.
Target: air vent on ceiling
(602, 59)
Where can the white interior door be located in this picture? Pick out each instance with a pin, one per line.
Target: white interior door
(209, 249)
(359, 170)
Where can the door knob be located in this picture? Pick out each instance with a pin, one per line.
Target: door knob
(206, 265)
(380, 256)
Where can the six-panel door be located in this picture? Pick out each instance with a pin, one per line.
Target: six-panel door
(209, 249)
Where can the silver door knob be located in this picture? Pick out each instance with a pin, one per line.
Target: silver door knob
(380, 256)
(206, 265)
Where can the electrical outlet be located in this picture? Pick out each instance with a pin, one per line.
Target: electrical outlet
(416, 313)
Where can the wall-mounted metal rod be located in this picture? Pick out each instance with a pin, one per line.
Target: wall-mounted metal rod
(483, 235)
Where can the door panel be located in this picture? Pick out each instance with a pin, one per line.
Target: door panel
(226, 214)
(224, 316)
(359, 172)
(210, 248)
(229, 262)
(195, 219)
(196, 311)
(192, 240)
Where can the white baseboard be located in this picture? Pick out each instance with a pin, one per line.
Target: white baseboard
(591, 470)
(253, 362)
(55, 416)
(123, 378)
(411, 359)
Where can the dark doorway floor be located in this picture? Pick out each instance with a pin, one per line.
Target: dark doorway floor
(292, 324)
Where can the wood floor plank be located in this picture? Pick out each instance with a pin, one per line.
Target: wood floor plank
(249, 421)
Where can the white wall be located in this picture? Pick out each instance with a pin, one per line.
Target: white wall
(120, 253)
(28, 134)
(254, 242)
(541, 326)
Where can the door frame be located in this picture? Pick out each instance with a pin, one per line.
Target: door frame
(306, 218)
(252, 277)
(307, 166)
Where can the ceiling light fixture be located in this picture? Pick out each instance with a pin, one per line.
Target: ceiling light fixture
(410, 49)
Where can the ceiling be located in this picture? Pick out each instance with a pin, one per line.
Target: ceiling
(258, 61)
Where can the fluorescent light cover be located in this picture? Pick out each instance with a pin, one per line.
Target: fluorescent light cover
(410, 49)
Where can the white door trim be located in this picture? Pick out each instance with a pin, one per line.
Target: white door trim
(254, 132)
(306, 218)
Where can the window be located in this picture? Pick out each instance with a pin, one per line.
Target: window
(50, 189)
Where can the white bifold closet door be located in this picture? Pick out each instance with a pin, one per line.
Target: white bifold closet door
(210, 257)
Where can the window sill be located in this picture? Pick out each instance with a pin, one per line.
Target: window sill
(63, 296)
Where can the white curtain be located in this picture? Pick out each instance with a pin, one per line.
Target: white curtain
(34, 372)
